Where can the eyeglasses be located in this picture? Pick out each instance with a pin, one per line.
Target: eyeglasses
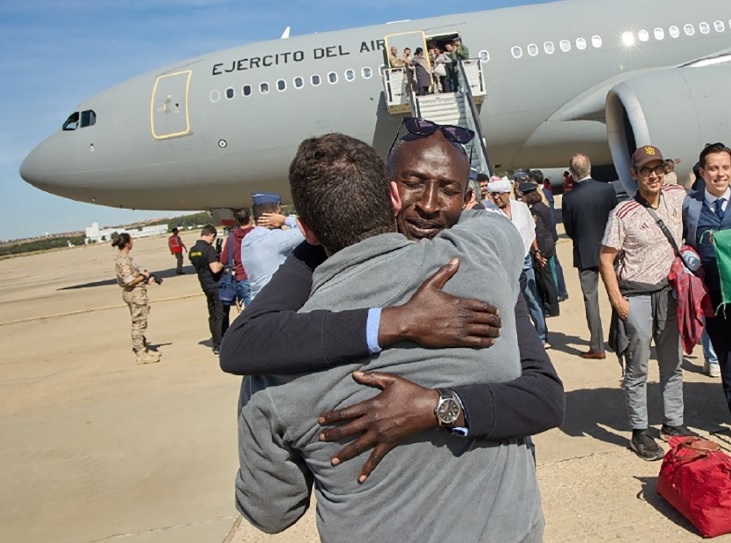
(422, 128)
(659, 170)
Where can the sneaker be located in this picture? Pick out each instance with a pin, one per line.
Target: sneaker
(546, 345)
(645, 447)
(667, 432)
(216, 350)
(711, 369)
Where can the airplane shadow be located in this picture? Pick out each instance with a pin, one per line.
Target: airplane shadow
(164, 274)
(602, 413)
(648, 493)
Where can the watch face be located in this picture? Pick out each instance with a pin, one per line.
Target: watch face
(448, 411)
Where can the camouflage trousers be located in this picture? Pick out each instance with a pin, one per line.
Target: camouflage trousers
(139, 309)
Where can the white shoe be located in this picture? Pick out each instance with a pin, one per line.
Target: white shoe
(712, 370)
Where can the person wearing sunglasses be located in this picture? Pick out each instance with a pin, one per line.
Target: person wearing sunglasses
(645, 230)
(526, 406)
(369, 262)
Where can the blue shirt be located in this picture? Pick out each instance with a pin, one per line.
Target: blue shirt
(264, 250)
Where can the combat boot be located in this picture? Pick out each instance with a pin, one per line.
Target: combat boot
(149, 357)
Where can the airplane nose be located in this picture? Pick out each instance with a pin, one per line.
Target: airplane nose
(30, 169)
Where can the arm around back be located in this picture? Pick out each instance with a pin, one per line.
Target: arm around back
(270, 337)
(528, 405)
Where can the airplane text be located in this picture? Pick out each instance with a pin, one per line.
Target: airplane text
(257, 62)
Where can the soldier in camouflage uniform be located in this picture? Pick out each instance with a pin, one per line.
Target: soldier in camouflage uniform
(134, 281)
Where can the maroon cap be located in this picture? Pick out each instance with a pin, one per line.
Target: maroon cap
(644, 155)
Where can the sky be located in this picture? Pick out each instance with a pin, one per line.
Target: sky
(54, 54)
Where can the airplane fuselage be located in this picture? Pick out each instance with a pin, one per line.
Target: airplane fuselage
(206, 132)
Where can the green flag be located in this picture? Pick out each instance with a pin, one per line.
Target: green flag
(722, 247)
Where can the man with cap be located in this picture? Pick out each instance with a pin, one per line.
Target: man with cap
(521, 217)
(265, 248)
(585, 210)
(642, 299)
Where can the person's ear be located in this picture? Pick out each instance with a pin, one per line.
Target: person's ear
(633, 174)
(307, 232)
(395, 198)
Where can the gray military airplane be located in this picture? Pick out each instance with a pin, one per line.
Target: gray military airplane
(596, 76)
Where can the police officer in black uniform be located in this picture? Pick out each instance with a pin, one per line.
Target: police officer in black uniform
(205, 260)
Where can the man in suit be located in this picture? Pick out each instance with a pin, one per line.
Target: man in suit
(703, 211)
(585, 210)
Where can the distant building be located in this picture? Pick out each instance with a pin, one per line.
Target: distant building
(94, 234)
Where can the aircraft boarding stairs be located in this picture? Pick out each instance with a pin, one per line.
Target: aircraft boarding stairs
(459, 108)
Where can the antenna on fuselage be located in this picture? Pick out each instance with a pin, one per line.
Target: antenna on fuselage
(285, 34)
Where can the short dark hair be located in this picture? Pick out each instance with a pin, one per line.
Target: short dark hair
(536, 176)
(242, 216)
(259, 209)
(208, 230)
(419, 51)
(483, 177)
(712, 149)
(341, 191)
(174, 230)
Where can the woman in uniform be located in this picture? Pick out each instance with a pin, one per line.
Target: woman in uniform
(134, 281)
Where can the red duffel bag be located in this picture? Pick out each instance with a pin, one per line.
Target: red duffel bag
(695, 478)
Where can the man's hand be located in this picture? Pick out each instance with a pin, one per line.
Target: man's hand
(433, 318)
(271, 220)
(402, 410)
(621, 306)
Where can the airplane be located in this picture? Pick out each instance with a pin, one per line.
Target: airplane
(594, 76)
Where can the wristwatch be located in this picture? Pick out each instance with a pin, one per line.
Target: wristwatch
(448, 409)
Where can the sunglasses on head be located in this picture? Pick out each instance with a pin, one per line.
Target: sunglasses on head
(421, 128)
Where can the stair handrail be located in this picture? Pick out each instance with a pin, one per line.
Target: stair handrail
(473, 120)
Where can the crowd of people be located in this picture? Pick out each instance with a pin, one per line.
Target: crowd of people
(433, 72)
(433, 286)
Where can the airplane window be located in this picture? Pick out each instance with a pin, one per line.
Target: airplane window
(246, 90)
(88, 118)
(548, 47)
(215, 96)
(689, 30)
(628, 39)
(281, 85)
(517, 52)
(533, 49)
(315, 80)
(349, 75)
(299, 82)
(484, 56)
(230, 93)
(580, 43)
(264, 87)
(72, 123)
(705, 28)
(366, 72)
(332, 77)
(674, 31)
(565, 46)
(659, 34)
(719, 26)
(644, 35)
(596, 42)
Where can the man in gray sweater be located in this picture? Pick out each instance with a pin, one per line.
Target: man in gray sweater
(439, 486)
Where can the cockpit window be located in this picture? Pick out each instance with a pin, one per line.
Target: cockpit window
(88, 118)
(80, 120)
(72, 123)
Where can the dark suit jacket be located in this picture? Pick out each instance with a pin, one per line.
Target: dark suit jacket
(585, 211)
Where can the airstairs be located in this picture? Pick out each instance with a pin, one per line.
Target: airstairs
(461, 108)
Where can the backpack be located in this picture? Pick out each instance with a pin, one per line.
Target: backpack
(227, 282)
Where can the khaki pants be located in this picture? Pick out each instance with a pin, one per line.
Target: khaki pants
(139, 308)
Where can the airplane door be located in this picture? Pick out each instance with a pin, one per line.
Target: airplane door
(404, 40)
(169, 106)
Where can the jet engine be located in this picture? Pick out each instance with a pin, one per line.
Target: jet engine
(677, 110)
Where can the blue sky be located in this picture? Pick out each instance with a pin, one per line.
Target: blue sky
(54, 54)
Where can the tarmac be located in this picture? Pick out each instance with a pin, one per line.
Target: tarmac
(96, 449)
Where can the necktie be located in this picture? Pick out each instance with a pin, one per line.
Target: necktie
(719, 208)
